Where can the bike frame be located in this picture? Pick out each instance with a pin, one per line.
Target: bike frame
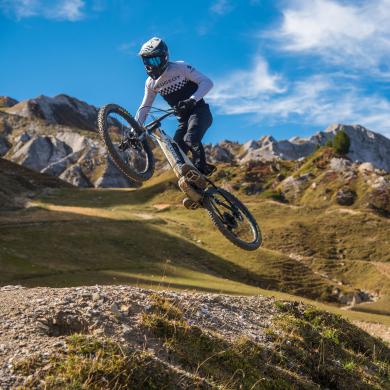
(175, 156)
(197, 187)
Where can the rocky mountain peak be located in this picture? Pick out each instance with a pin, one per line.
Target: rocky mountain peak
(366, 145)
(43, 133)
(61, 109)
(250, 145)
(267, 139)
(6, 101)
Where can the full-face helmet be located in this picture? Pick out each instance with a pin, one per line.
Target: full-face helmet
(154, 54)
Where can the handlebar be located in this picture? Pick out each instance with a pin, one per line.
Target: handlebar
(156, 122)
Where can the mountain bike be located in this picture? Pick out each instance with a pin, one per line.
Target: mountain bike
(129, 145)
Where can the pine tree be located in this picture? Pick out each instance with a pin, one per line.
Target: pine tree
(341, 142)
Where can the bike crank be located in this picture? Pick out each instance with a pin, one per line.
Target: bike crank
(194, 194)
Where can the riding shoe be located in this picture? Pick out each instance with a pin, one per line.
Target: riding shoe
(194, 176)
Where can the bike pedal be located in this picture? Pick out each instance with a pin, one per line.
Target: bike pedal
(190, 204)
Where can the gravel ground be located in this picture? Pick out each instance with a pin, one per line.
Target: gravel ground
(37, 320)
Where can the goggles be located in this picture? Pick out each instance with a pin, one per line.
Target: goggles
(152, 61)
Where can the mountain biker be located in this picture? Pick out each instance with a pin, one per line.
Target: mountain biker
(183, 87)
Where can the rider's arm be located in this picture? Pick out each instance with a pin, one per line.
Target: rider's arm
(147, 101)
(204, 83)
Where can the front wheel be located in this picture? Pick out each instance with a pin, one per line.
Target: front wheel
(232, 218)
(125, 142)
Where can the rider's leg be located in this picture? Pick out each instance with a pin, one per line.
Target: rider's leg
(180, 134)
(198, 123)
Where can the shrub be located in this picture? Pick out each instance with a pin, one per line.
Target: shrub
(341, 142)
(329, 143)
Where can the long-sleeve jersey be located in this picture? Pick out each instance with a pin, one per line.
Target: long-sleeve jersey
(179, 81)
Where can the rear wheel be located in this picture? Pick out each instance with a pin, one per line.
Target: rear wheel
(232, 218)
(125, 143)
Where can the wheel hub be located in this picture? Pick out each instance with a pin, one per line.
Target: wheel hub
(230, 220)
(130, 142)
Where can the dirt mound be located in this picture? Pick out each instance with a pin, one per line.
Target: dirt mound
(113, 337)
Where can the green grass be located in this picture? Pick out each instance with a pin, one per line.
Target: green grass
(329, 349)
(97, 364)
(382, 306)
(311, 348)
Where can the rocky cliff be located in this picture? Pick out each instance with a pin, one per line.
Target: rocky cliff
(70, 153)
(6, 101)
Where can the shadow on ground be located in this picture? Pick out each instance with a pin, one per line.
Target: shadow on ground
(92, 197)
(66, 250)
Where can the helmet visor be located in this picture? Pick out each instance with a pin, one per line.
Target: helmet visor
(152, 61)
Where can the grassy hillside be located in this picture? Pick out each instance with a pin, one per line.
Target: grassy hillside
(18, 183)
(145, 237)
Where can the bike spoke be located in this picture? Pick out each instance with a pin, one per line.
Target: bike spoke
(217, 210)
(228, 207)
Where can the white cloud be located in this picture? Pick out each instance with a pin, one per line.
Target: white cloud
(68, 10)
(353, 33)
(221, 7)
(19, 8)
(71, 10)
(247, 85)
(352, 36)
(315, 100)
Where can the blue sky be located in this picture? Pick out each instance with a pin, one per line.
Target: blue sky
(280, 67)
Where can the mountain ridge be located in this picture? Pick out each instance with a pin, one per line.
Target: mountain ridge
(57, 135)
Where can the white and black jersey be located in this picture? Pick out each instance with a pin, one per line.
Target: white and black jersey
(179, 81)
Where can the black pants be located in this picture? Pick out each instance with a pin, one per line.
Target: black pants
(190, 132)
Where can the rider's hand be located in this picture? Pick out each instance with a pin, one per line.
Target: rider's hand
(185, 106)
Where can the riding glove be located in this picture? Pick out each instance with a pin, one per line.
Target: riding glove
(185, 106)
